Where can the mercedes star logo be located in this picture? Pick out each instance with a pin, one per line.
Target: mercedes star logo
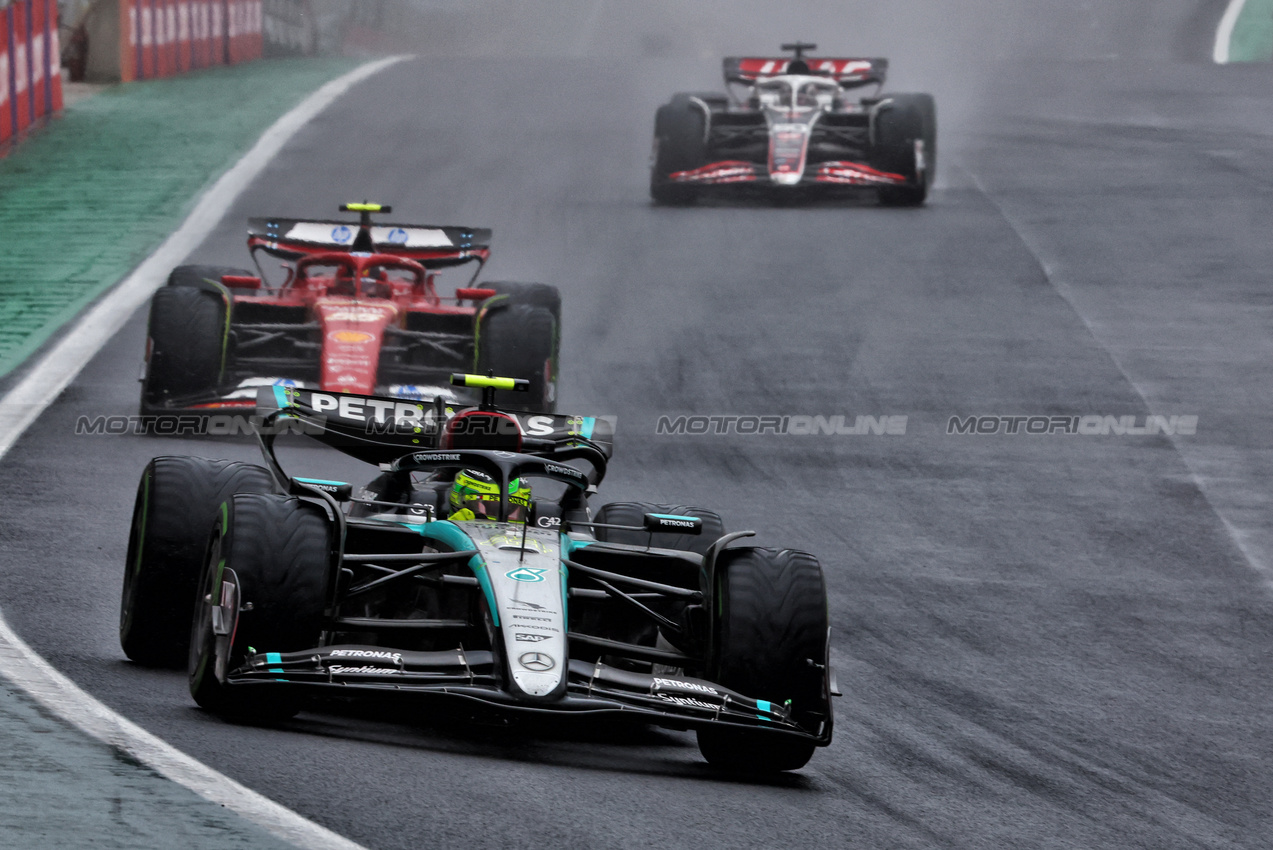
(536, 661)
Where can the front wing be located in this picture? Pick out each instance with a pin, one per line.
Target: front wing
(835, 173)
(592, 688)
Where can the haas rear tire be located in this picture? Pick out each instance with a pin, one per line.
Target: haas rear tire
(770, 643)
(176, 505)
(188, 335)
(908, 119)
(680, 144)
(519, 340)
(268, 562)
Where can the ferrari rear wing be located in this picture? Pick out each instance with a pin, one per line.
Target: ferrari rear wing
(431, 246)
(849, 73)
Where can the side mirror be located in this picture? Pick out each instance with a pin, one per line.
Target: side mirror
(241, 281)
(673, 524)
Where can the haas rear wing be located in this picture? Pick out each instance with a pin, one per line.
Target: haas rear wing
(381, 430)
(432, 247)
(849, 73)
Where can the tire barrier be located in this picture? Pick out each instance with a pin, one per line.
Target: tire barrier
(30, 65)
(160, 38)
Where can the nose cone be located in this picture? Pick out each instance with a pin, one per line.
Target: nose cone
(352, 335)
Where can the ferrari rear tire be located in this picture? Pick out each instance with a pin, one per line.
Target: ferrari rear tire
(177, 501)
(199, 276)
(680, 144)
(188, 333)
(898, 126)
(520, 341)
(771, 638)
(269, 555)
(633, 514)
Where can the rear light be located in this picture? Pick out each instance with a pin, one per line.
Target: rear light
(475, 294)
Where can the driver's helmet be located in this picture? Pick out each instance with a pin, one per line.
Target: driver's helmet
(475, 495)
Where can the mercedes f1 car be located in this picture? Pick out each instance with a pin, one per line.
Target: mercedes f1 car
(795, 129)
(277, 592)
(358, 310)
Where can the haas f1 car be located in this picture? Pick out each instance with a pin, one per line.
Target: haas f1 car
(474, 570)
(794, 128)
(357, 310)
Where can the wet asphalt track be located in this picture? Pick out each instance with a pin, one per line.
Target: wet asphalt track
(1046, 642)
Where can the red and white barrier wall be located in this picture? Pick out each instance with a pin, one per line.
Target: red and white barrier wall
(160, 38)
(30, 65)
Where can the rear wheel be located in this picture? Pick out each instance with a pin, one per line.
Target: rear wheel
(188, 334)
(770, 643)
(900, 124)
(680, 144)
(633, 514)
(519, 340)
(263, 589)
(537, 294)
(641, 630)
(177, 502)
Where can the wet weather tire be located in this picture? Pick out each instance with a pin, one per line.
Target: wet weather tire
(536, 294)
(770, 635)
(907, 118)
(188, 333)
(177, 502)
(680, 144)
(520, 340)
(268, 559)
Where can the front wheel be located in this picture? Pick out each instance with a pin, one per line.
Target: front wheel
(200, 277)
(263, 590)
(680, 144)
(771, 641)
(906, 143)
(188, 343)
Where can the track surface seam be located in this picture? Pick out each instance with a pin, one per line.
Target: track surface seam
(1253, 560)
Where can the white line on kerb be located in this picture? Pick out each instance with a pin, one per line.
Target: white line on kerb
(46, 380)
(21, 665)
(1224, 33)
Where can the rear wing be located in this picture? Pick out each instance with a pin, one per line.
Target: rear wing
(432, 247)
(380, 430)
(849, 73)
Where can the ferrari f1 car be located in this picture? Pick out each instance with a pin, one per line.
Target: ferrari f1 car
(794, 128)
(278, 591)
(357, 310)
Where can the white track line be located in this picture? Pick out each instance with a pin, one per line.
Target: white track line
(20, 664)
(46, 380)
(51, 374)
(1224, 33)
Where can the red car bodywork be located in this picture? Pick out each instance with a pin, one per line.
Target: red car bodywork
(357, 305)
